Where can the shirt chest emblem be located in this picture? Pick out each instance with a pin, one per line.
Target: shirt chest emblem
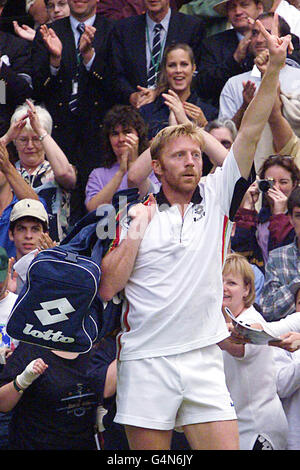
(198, 212)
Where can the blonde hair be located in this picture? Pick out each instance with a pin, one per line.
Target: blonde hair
(238, 264)
(173, 132)
(44, 117)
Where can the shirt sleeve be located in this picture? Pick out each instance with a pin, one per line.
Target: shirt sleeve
(225, 183)
(287, 372)
(94, 184)
(230, 101)
(277, 299)
(285, 325)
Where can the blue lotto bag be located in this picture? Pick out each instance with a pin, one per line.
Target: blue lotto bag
(59, 306)
(56, 307)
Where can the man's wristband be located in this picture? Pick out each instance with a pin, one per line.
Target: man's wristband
(17, 387)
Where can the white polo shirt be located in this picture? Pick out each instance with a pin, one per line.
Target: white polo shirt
(174, 293)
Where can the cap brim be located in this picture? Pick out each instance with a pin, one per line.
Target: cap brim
(221, 8)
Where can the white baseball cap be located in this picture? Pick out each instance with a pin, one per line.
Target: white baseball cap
(29, 208)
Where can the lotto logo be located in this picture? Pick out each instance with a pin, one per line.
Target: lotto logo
(62, 305)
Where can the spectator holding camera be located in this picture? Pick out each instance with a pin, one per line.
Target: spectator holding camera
(258, 233)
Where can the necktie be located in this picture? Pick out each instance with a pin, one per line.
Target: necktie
(155, 57)
(74, 97)
(80, 29)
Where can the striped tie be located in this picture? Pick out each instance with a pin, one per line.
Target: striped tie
(80, 29)
(155, 57)
(74, 97)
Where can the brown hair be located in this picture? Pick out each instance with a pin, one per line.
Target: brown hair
(286, 162)
(163, 81)
(125, 116)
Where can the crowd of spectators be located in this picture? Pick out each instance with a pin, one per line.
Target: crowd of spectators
(84, 88)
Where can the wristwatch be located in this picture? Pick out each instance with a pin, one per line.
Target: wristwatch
(41, 137)
(19, 389)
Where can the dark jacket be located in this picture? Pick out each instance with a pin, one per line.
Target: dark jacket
(217, 64)
(82, 130)
(128, 49)
(17, 87)
(156, 114)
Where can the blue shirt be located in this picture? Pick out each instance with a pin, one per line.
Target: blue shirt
(5, 242)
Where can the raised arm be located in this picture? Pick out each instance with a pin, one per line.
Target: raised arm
(280, 127)
(259, 110)
(19, 186)
(64, 172)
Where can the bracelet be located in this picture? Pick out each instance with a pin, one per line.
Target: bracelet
(19, 389)
(41, 137)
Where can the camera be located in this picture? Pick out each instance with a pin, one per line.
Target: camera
(265, 185)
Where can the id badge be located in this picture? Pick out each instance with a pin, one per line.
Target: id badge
(74, 87)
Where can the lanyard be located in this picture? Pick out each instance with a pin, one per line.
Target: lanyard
(155, 64)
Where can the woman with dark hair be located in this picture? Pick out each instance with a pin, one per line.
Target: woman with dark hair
(125, 137)
(259, 233)
(176, 76)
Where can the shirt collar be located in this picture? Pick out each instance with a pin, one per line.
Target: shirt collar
(163, 202)
(42, 166)
(295, 245)
(164, 22)
(240, 36)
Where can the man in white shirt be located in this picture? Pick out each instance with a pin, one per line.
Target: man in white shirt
(232, 97)
(169, 263)
(290, 13)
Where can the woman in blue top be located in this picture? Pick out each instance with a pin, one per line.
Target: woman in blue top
(176, 76)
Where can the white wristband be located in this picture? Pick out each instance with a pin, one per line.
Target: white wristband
(27, 376)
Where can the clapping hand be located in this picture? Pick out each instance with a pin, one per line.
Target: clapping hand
(175, 105)
(53, 44)
(249, 89)
(195, 113)
(34, 119)
(86, 43)
(24, 31)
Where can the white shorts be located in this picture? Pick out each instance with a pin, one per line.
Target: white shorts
(172, 391)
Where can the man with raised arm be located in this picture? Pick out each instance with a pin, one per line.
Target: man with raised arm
(168, 260)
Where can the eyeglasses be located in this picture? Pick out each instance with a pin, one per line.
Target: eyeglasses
(279, 157)
(51, 6)
(24, 141)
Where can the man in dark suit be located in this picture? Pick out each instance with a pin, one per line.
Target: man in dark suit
(118, 9)
(227, 54)
(132, 46)
(15, 69)
(70, 77)
(224, 54)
